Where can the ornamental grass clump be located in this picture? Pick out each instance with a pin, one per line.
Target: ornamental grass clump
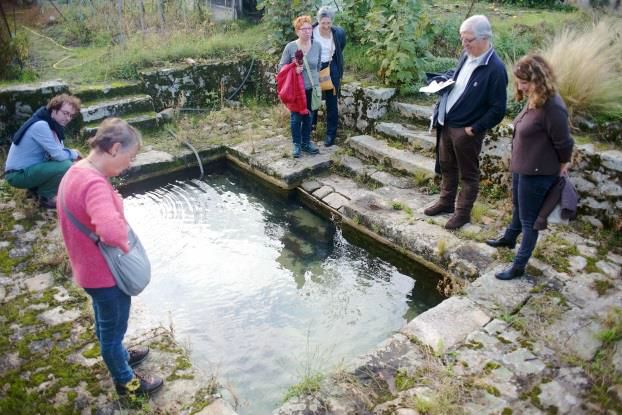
(588, 66)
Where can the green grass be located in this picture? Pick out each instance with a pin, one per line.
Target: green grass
(310, 383)
(103, 63)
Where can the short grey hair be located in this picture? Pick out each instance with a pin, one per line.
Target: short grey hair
(479, 25)
(325, 11)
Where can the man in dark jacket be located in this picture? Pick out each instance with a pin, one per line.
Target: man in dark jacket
(475, 103)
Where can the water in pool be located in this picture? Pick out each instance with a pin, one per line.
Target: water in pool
(262, 289)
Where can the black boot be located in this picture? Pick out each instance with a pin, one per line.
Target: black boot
(501, 242)
(510, 273)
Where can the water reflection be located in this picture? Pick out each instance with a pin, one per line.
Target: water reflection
(262, 288)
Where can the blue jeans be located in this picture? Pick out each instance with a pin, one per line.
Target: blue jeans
(112, 311)
(301, 124)
(528, 193)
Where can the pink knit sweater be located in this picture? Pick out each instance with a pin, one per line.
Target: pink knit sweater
(90, 197)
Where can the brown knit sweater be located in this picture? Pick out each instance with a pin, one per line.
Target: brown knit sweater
(541, 139)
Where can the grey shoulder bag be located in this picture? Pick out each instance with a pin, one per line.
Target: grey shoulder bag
(131, 271)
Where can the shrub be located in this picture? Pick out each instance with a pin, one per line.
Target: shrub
(13, 56)
(279, 15)
(353, 19)
(397, 32)
(588, 66)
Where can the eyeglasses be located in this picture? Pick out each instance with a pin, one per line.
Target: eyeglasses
(67, 114)
(468, 41)
(305, 29)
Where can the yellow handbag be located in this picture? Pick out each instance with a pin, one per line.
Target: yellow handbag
(326, 84)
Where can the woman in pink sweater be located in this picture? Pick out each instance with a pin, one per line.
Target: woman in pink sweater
(87, 193)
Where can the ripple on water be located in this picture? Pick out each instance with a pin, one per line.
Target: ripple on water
(262, 289)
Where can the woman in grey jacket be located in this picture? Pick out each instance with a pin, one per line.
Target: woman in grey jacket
(301, 124)
(541, 152)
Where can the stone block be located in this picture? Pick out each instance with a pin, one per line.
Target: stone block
(59, 315)
(323, 191)
(335, 200)
(499, 296)
(39, 282)
(440, 329)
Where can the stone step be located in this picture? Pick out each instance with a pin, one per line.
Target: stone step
(418, 113)
(407, 133)
(401, 160)
(98, 110)
(94, 92)
(144, 121)
(370, 174)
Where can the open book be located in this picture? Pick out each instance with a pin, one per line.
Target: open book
(435, 86)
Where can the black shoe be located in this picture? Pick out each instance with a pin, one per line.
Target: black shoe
(510, 273)
(144, 385)
(501, 242)
(137, 355)
(329, 141)
(47, 202)
(437, 209)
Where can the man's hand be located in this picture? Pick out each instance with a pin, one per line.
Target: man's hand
(469, 131)
(563, 169)
(79, 156)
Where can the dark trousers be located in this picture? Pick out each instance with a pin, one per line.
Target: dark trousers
(332, 109)
(112, 311)
(459, 161)
(528, 193)
(301, 124)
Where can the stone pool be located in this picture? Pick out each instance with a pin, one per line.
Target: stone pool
(262, 289)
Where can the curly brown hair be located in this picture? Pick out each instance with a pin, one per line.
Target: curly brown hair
(536, 70)
(300, 20)
(57, 102)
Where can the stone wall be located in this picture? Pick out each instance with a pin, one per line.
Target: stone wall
(360, 107)
(597, 175)
(18, 102)
(197, 85)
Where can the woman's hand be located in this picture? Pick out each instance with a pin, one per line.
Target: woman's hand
(563, 169)
(469, 131)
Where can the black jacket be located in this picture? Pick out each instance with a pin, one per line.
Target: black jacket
(482, 104)
(336, 67)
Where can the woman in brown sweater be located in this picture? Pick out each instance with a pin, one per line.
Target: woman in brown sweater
(541, 152)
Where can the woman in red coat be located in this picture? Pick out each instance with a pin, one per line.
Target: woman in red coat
(300, 122)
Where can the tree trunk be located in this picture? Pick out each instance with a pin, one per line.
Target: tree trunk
(161, 13)
(142, 15)
(121, 31)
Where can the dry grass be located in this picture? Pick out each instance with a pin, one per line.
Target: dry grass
(588, 66)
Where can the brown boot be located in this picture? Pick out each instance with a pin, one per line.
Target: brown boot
(438, 208)
(457, 221)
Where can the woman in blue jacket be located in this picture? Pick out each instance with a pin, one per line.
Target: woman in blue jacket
(333, 41)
